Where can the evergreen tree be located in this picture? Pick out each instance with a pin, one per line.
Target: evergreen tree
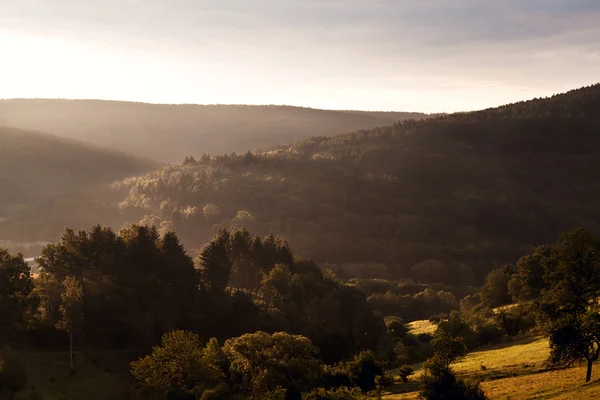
(216, 264)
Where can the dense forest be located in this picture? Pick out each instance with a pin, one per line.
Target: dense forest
(302, 272)
(167, 132)
(248, 320)
(444, 199)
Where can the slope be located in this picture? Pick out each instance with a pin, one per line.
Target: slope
(514, 370)
(167, 132)
(470, 191)
(40, 172)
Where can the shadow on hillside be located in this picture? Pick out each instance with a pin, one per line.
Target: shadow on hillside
(508, 343)
(401, 388)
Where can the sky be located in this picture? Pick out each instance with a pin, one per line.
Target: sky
(401, 55)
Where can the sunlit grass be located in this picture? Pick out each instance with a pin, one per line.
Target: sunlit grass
(516, 371)
(422, 326)
(528, 354)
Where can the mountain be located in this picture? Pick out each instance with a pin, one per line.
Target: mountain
(45, 177)
(443, 199)
(170, 132)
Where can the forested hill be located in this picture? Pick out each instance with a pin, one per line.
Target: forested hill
(37, 168)
(168, 132)
(444, 199)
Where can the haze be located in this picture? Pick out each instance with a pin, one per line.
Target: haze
(428, 56)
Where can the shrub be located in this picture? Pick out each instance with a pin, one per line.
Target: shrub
(360, 371)
(439, 383)
(405, 371)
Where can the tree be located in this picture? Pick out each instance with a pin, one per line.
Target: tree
(494, 292)
(263, 363)
(448, 349)
(569, 305)
(277, 286)
(456, 328)
(216, 264)
(180, 366)
(527, 282)
(439, 383)
(361, 370)
(71, 311)
(15, 287)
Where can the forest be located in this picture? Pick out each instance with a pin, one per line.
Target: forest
(443, 200)
(246, 319)
(393, 262)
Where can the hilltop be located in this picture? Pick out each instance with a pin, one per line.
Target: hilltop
(168, 132)
(443, 199)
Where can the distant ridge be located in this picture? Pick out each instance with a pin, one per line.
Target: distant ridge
(46, 178)
(168, 133)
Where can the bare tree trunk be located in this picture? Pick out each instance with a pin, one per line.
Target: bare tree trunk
(71, 351)
(588, 375)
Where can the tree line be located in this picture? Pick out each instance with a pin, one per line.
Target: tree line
(445, 199)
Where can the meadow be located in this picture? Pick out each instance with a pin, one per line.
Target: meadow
(515, 370)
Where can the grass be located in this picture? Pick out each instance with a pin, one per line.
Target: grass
(516, 370)
(522, 356)
(49, 378)
(422, 326)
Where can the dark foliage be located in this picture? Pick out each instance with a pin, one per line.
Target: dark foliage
(440, 383)
(445, 199)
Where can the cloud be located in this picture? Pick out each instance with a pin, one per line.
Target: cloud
(375, 47)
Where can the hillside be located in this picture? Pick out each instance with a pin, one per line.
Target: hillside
(41, 174)
(513, 370)
(170, 132)
(463, 192)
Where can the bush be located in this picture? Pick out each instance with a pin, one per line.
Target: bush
(396, 328)
(405, 371)
(360, 371)
(439, 383)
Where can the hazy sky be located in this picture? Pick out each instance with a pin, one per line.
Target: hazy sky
(414, 55)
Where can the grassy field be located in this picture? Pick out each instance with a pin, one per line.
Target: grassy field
(49, 378)
(423, 326)
(516, 371)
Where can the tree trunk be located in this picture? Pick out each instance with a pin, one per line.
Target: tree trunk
(588, 375)
(71, 351)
